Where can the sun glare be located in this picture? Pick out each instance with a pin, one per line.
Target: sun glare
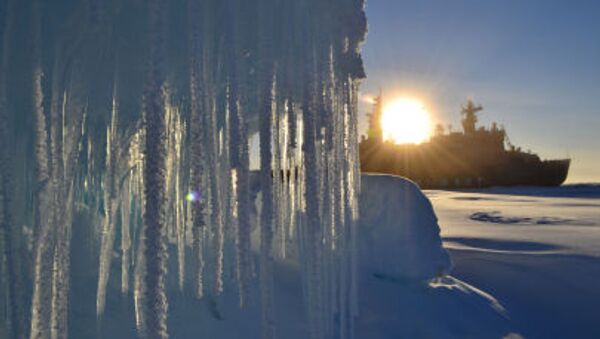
(405, 121)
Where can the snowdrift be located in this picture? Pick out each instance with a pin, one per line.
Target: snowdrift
(400, 237)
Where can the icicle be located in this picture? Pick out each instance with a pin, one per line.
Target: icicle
(62, 205)
(293, 161)
(137, 180)
(196, 140)
(139, 289)
(110, 209)
(227, 197)
(155, 241)
(66, 138)
(243, 212)
(277, 181)
(198, 243)
(217, 169)
(179, 206)
(40, 304)
(352, 195)
(61, 279)
(125, 236)
(174, 134)
(311, 201)
(238, 153)
(139, 254)
(268, 176)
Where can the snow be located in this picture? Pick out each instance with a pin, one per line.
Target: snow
(570, 224)
(399, 231)
(535, 249)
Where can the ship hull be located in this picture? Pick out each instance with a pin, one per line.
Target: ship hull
(542, 173)
(432, 168)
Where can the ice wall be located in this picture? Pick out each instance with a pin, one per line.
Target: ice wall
(127, 123)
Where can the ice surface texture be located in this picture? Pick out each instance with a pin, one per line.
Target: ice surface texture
(113, 112)
(403, 245)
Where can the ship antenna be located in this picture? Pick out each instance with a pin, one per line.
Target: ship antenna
(469, 111)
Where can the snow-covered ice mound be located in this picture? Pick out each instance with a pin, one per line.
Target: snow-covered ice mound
(405, 291)
(400, 236)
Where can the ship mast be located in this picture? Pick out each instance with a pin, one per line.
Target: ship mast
(469, 112)
(375, 130)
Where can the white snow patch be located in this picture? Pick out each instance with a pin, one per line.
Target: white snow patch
(535, 248)
(398, 230)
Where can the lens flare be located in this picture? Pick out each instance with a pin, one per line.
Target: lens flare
(193, 196)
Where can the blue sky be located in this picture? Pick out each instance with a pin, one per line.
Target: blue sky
(533, 64)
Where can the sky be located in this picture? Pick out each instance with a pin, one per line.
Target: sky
(534, 65)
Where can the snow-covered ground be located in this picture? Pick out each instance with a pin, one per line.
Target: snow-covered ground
(536, 250)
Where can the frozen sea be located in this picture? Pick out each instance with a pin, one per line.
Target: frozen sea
(536, 250)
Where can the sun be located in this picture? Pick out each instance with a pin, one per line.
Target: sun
(406, 121)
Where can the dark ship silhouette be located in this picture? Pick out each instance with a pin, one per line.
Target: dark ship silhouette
(475, 157)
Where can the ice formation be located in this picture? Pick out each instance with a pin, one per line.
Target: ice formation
(129, 122)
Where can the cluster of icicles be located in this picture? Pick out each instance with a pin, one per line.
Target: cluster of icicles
(165, 167)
